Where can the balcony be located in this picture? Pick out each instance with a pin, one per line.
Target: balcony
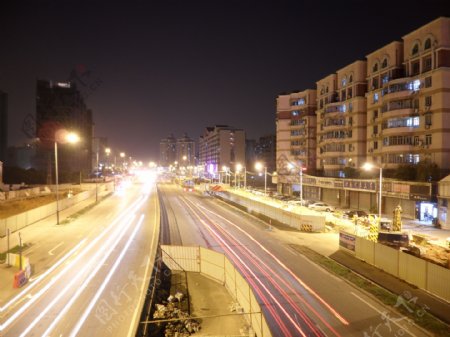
(399, 130)
(399, 112)
(400, 88)
(406, 148)
(333, 166)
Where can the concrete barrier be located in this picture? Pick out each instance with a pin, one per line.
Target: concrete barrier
(305, 222)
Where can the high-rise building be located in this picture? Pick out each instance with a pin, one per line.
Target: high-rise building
(59, 105)
(295, 135)
(341, 120)
(220, 146)
(409, 99)
(185, 151)
(265, 151)
(3, 125)
(99, 155)
(167, 151)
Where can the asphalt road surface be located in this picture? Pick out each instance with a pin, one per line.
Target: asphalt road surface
(298, 297)
(98, 276)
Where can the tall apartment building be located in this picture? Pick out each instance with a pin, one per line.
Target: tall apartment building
(219, 146)
(167, 151)
(3, 126)
(60, 105)
(409, 99)
(185, 151)
(341, 120)
(265, 151)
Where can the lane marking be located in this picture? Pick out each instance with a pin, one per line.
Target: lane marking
(50, 252)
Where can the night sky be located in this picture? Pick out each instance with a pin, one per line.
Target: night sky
(159, 67)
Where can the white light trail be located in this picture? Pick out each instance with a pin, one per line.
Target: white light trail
(79, 274)
(106, 281)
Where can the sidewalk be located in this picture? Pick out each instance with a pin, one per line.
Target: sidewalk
(30, 234)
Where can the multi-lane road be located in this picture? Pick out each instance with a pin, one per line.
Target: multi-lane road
(298, 297)
(96, 271)
(96, 284)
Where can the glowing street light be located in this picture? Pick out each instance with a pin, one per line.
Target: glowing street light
(301, 168)
(258, 167)
(368, 167)
(68, 138)
(237, 170)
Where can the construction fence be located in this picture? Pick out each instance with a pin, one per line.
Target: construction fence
(217, 267)
(414, 270)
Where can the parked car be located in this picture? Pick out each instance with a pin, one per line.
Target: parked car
(321, 206)
(350, 214)
(303, 202)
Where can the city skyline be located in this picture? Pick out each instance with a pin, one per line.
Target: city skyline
(177, 67)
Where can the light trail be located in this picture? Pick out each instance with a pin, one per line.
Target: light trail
(311, 291)
(106, 281)
(38, 279)
(243, 263)
(137, 204)
(257, 262)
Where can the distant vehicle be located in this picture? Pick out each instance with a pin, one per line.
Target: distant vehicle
(188, 185)
(321, 206)
(350, 214)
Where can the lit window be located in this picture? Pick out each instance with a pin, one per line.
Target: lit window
(375, 97)
(344, 81)
(416, 85)
(294, 113)
(416, 121)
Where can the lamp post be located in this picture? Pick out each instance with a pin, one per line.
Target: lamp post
(69, 138)
(238, 170)
(259, 166)
(368, 167)
(290, 167)
(225, 170)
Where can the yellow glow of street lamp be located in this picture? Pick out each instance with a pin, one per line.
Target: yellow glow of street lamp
(72, 137)
(259, 166)
(107, 150)
(368, 166)
(122, 154)
(238, 167)
(184, 157)
(224, 168)
(290, 166)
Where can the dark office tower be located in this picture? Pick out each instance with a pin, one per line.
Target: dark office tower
(3, 125)
(60, 106)
(167, 151)
(185, 151)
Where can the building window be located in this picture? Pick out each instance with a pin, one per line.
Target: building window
(295, 113)
(427, 44)
(375, 67)
(350, 107)
(321, 104)
(384, 63)
(415, 49)
(427, 100)
(428, 120)
(416, 140)
(375, 114)
(350, 121)
(326, 90)
(428, 82)
(384, 78)
(344, 81)
(375, 145)
(375, 97)
(300, 101)
(375, 129)
(426, 64)
(427, 139)
(415, 68)
(349, 93)
(374, 83)
(350, 79)
(343, 95)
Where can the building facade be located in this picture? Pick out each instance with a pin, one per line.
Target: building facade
(409, 99)
(167, 151)
(185, 151)
(392, 109)
(220, 146)
(265, 151)
(3, 125)
(341, 120)
(60, 106)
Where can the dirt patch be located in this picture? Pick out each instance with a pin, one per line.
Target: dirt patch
(14, 207)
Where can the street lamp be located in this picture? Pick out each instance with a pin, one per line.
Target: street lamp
(258, 167)
(68, 138)
(237, 170)
(291, 166)
(368, 167)
(225, 170)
